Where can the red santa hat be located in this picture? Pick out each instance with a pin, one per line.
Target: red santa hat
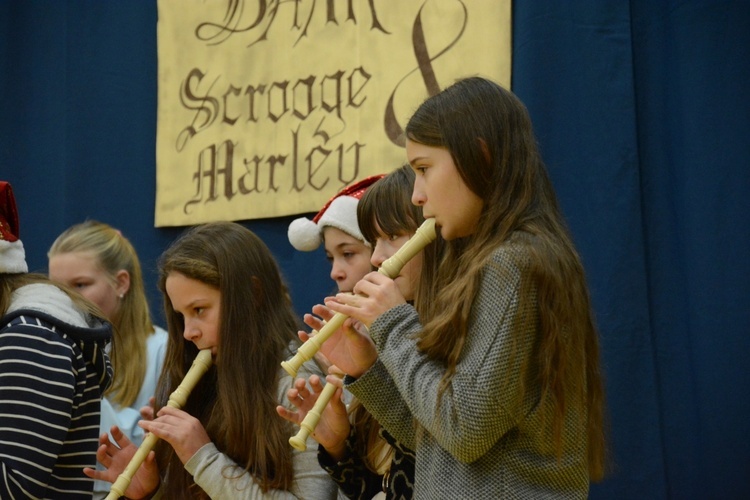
(340, 212)
(12, 255)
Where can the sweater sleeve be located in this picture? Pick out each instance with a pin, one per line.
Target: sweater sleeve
(383, 393)
(482, 401)
(37, 394)
(209, 467)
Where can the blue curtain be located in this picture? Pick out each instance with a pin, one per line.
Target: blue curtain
(642, 112)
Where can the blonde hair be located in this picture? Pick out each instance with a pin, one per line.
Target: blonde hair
(132, 323)
(9, 283)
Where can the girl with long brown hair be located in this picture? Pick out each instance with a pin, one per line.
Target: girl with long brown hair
(223, 291)
(494, 377)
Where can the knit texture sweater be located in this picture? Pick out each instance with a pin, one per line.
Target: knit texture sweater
(482, 439)
(53, 370)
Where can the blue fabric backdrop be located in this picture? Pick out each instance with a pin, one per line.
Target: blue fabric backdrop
(642, 110)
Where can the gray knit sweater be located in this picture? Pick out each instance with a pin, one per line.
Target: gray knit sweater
(482, 440)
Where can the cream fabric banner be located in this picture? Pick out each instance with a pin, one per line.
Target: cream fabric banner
(269, 107)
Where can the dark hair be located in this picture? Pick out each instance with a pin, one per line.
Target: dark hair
(387, 204)
(488, 132)
(236, 400)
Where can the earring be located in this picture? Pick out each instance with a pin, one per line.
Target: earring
(121, 296)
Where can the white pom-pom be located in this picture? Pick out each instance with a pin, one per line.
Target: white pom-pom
(304, 235)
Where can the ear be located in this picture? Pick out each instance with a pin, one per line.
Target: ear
(122, 279)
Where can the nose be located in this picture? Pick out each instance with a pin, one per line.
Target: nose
(418, 197)
(190, 333)
(378, 254)
(337, 271)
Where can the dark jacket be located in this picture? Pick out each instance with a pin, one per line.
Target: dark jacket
(53, 371)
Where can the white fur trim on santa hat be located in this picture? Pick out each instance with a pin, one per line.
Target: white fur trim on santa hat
(342, 214)
(306, 236)
(12, 257)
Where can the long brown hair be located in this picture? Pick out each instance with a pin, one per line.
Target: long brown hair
(489, 134)
(132, 324)
(236, 400)
(386, 205)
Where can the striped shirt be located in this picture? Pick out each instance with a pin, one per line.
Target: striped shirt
(52, 375)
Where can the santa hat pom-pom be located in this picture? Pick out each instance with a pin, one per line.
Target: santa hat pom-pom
(304, 235)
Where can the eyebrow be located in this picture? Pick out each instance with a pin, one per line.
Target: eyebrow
(78, 277)
(349, 244)
(416, 159)
(192, 303)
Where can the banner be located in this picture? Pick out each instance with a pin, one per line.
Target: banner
(269, 107)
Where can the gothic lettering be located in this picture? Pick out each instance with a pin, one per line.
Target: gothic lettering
(221, 174)
(255, 19)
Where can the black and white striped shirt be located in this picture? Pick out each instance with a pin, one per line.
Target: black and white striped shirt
(52, 375)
